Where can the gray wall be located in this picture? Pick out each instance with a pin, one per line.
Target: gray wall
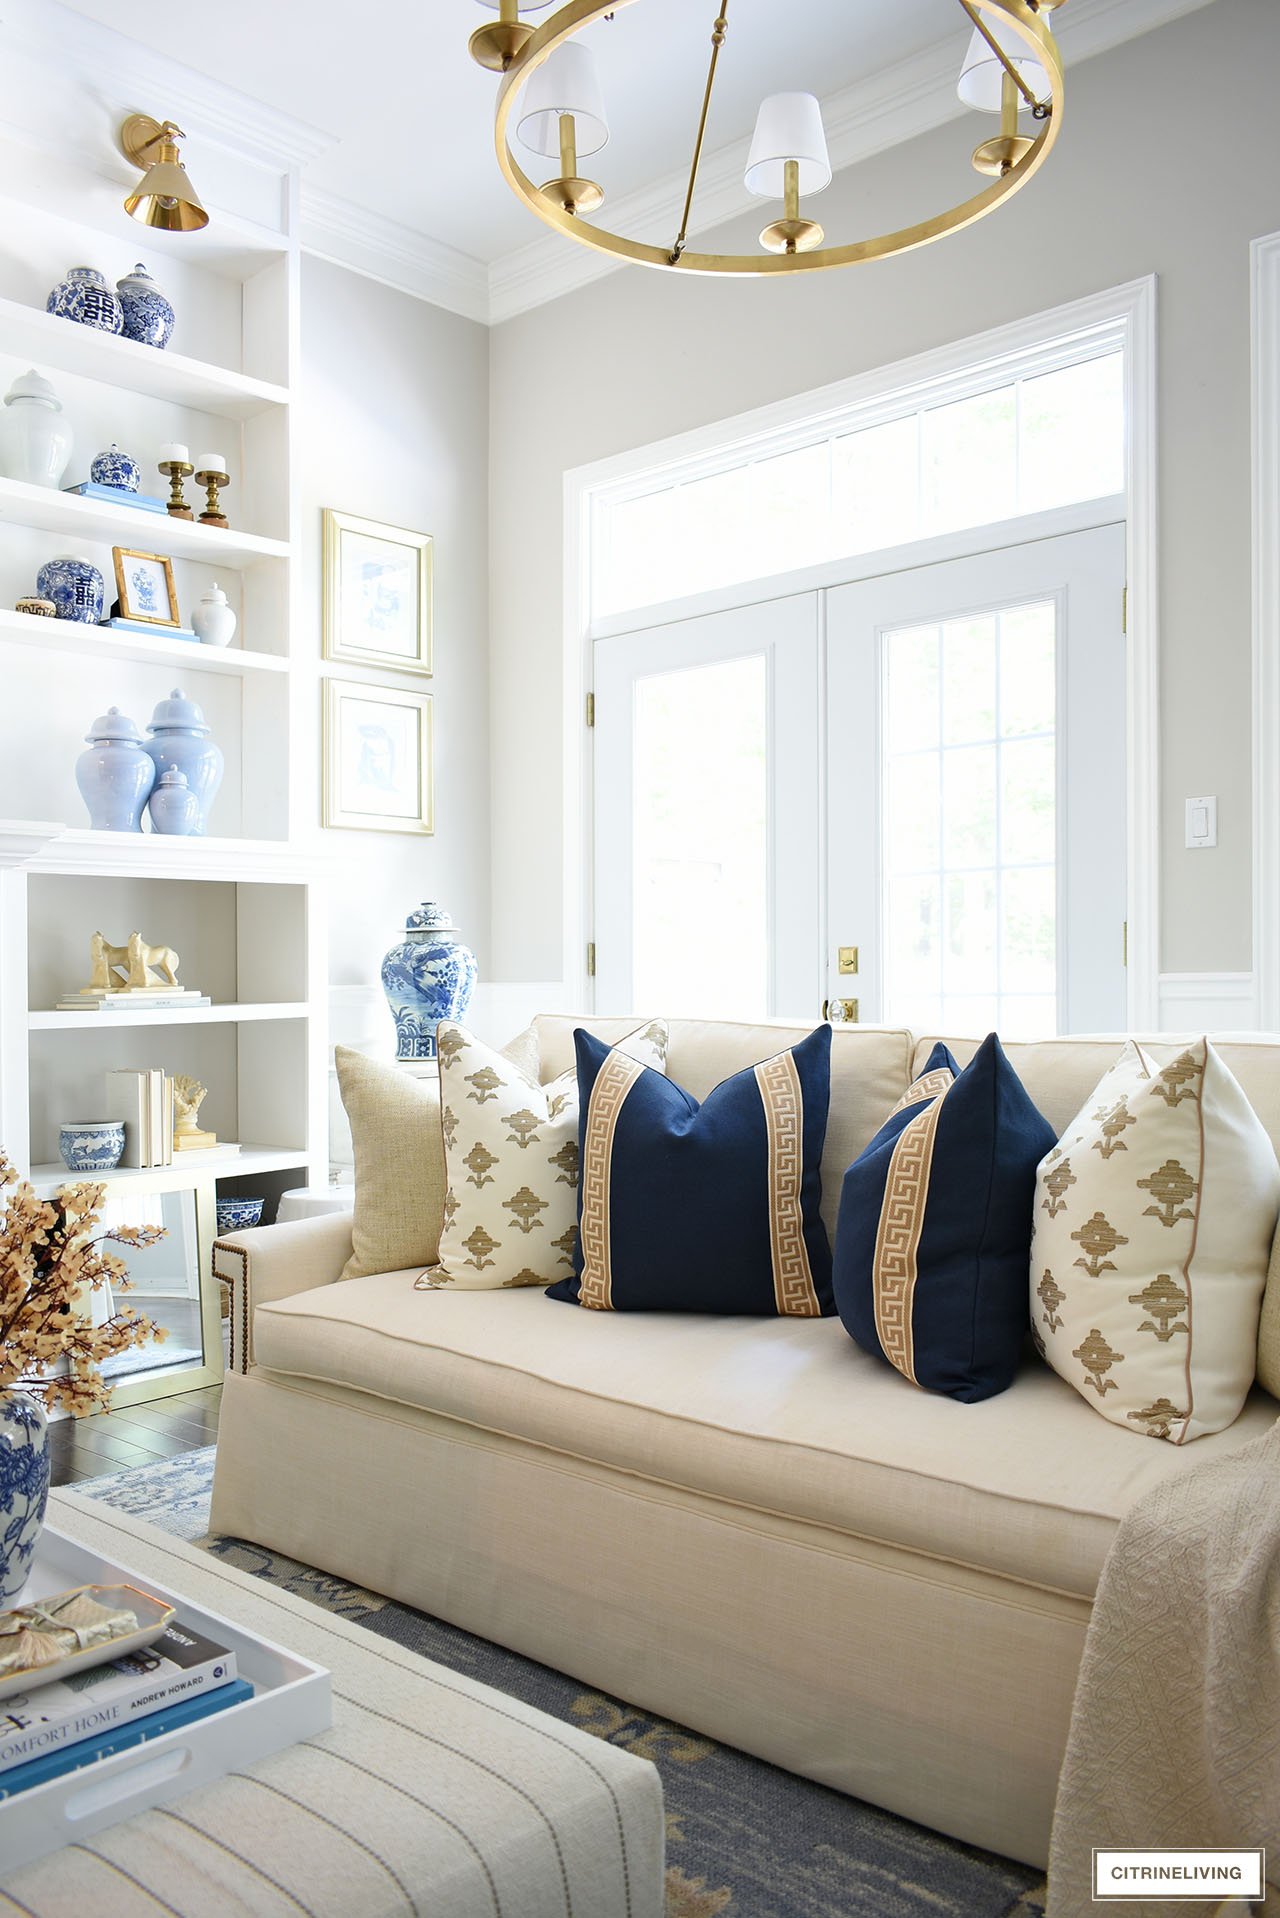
(1168, 163)
(394, 423)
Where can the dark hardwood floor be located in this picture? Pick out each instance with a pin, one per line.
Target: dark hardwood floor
(135, 1435)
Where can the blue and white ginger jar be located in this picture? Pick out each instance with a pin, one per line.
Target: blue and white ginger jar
(179, 737)
(114, 468)
(85, 297)
(116, 775)
(429, 976)
(148, 314)
(24, 1488)
(75, 586)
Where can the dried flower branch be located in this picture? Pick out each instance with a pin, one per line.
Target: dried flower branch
(50, 1259)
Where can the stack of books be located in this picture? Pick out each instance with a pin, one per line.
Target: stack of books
(66, 1724)
(118, 496)
(132, 999)
(144, 1100)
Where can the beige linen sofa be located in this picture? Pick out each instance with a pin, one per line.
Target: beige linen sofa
(746, 1525)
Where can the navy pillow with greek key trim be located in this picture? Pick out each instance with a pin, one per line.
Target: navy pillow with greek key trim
(933, 1237)
(702, 1208)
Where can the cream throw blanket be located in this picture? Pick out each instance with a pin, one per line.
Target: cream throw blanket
(1175, 1732)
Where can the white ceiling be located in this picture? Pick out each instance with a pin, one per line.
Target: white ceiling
(411, 115)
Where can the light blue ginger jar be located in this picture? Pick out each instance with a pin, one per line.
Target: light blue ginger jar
(173, 806)
(148, 314)
(116, 775)
(75, 586)
(180, 739)
(85, 297)
(114, 468)
(24, 1488)
(429, 976)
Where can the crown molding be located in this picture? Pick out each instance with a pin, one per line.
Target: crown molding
(338, 230)
(135, 73)
(898, 103)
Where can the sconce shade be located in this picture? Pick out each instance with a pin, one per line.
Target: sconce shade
(788, 127)
(982, 76)
(566, 83)
(165, 197)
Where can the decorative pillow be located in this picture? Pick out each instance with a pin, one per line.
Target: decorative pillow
(399, 1166)
(511, 1157)
(934, 1226)
(1153, 1226)
(702, 1208)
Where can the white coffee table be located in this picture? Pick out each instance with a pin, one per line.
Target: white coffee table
(429, 1794)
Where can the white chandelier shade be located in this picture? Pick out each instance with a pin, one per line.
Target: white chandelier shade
(788, 127)
(982, 76)
(566, 83)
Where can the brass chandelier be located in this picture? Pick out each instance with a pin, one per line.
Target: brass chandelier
(550, 99)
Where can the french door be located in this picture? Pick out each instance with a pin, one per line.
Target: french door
(907, 793)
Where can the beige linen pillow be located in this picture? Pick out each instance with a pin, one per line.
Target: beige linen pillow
(399, 1165)
(1154, 1217)
(511, 1157)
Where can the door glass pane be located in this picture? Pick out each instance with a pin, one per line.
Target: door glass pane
(970, 825)
(701, 907)
(1071, 435)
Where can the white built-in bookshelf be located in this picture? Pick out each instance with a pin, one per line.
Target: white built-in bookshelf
(242, 907)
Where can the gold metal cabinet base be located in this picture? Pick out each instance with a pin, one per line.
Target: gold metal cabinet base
(1018, 16)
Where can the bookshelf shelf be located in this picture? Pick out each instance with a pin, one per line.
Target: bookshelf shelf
(73, 636)
(166, 1016)
(250, 1160)
(71, 514)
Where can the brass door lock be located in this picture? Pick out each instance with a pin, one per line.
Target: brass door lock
(846, 959)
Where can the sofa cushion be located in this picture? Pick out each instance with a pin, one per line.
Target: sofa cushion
(511, 1158)
(870, 1071)
(1154, 1218)
(712, 1207)
(935, 1228)
(783, 1415)
(399, 1164)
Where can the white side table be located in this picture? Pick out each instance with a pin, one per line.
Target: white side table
(309, 1201)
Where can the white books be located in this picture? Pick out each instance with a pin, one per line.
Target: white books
(133, 1001)
(155, 1116)
(126, 1098)
(181, 1664)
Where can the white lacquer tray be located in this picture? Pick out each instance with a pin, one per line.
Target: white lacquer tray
(152, 1614)
(291, 1701)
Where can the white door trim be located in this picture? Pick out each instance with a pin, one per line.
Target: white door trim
(1131, 311)
(1264, 278)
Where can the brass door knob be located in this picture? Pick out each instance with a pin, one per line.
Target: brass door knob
(840, 1012)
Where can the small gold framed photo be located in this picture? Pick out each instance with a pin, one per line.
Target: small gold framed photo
(377, 593)
(145, 588)
(378, 774)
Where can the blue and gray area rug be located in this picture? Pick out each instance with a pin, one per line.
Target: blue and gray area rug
(744, 1840)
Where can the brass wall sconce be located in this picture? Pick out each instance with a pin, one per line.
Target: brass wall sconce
(164, 197)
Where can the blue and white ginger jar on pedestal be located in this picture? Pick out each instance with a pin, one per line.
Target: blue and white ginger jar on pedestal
(85, 297)
(148, 315)
(429, 976)
(24, 1488)
(114, 468)
(75, 586)
(179, 737)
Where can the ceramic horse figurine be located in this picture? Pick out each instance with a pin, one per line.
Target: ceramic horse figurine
(109, 965)
(143, 958)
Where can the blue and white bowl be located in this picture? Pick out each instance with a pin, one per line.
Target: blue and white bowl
(85, 297)
(237, 1215)
(91, 1145)
(75, 586)
(114, 468)
(148, 315)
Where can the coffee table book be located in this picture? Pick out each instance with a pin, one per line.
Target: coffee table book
(291, 1701)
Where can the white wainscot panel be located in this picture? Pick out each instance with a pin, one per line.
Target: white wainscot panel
(1219, 1002)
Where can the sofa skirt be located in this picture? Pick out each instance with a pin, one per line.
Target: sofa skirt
(930, 1688)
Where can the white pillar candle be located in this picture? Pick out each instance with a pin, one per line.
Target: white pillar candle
(211, 463)
(172, 453)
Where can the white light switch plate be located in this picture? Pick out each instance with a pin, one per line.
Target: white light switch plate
(1202, 823)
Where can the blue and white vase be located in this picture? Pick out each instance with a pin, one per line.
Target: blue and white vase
(428, 976)
(114, 468)
(116, 775)
(91, 1145)
(180, 738)
(148, 315)
(24, 1488)
(75, 586)
(85, 297)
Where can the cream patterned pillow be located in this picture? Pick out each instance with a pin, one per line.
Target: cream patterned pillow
(511, 1164)
(1154, 1217)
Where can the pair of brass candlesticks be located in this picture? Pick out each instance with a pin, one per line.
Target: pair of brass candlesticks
(176, 471)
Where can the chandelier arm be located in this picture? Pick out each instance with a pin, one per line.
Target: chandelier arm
(717, 41)
(1008, 65)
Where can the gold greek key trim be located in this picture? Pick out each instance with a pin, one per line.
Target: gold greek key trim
(930, 1085)
(783, 1100)
(893, 1269)
(613, 1082)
